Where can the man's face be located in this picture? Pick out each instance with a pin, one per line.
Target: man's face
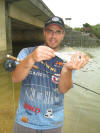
(53, 34)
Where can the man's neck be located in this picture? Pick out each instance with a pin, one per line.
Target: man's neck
(55, 49)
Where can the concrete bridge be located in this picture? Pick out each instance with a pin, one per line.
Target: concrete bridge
(21, 22)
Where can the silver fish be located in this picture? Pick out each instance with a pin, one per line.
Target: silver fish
(65, 54)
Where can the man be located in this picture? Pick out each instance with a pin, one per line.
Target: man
(41, 105)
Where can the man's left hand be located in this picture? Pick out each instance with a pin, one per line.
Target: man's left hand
(78, 61)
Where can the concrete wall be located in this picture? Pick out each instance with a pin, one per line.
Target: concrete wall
(5, 31)
(3, 46)
(75, 38)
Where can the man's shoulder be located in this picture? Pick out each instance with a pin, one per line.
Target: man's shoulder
(27, 50)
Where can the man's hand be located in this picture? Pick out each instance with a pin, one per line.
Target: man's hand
(78, 61)
(39, 54)
(42, 53)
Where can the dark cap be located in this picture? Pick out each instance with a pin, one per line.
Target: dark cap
(55, 20)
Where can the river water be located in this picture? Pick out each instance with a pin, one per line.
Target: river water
(82, 107)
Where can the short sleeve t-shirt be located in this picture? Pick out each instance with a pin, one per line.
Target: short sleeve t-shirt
(40, 101)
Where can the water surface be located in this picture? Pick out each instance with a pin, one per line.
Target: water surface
(82, 108)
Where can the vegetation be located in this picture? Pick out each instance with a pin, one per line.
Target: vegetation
(93, 30)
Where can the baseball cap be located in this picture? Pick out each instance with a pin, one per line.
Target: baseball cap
(55, 20)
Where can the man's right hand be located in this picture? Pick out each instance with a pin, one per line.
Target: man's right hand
(39, 54)
(42, 53)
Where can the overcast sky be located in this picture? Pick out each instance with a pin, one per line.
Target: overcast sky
(81, 11)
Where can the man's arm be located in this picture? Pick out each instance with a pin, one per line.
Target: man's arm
(39, 54)
(65, 82)
(22, 69)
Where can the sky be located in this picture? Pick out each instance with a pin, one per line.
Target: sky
(80, 11)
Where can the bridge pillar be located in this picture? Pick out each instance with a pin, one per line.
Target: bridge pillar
(5, 31)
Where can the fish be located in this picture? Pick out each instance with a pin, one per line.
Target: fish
(66, 57)
(66, 53)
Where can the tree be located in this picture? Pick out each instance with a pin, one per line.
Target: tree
(94, 30)
(87, 28)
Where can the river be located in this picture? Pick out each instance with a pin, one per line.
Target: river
(82, 108)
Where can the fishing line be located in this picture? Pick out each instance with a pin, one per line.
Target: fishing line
(13, 91)
(87, 89)
(37, 68)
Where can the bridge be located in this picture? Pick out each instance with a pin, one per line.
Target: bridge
(21, 23)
